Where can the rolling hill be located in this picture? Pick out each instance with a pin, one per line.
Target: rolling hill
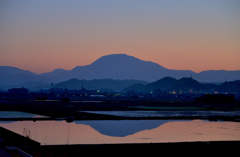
(110, 84)
(184, 84)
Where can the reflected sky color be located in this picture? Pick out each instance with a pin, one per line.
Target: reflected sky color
(60, 132)
(41, 36)
(122, 128)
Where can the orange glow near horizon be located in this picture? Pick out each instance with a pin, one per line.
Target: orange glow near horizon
(47, 58)
(187, 54)
(177, 35)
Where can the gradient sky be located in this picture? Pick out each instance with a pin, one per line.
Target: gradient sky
(41, 36)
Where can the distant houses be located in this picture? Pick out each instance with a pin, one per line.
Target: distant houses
(60, 91)
(18, 91)
(165, 88)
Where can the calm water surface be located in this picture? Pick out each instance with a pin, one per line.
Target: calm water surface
(125, 131)
(18, 114)
(168, 113)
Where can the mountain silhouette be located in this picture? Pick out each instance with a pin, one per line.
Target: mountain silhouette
(122, 66)
(118, 66)
(54, 73)
(217, 76)
(97, 84)
(184, 84)
(12, 77)
(232, 86)
(15, 71)
(162, 84)
(115, 66)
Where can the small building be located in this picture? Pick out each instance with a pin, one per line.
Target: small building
(57, 90)
(44, 90)
(97, 96)
(18, 91)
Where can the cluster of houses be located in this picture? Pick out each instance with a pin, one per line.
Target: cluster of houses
(58, 93)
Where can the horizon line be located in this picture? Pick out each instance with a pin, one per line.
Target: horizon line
(58, 68)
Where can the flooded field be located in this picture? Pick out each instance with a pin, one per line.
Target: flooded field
(18, 114)
(124, 131)
(168, 113)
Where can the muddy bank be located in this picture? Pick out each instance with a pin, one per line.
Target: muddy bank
(218, 148)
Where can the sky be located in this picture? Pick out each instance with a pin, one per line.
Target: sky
(41, 36)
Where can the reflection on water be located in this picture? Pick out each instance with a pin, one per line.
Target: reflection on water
(140, 131)
(122, 128)
(18, 114)
(167, 113)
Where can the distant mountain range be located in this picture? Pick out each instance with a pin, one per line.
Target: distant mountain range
(164, 84)
(12, 77)
(184, 84)
(116, 66)
(100, 84)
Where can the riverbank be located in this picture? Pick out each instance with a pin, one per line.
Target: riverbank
(210, 148)
(198, 149)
